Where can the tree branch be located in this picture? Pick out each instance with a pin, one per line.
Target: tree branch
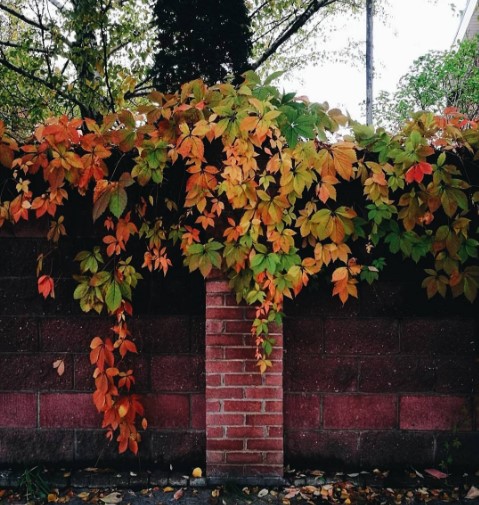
(20, 16)
(294, 27)
(32, 22)
(39, 80)
(29, 49)
(253, 14)
(57, 4)
(119, 47)
(105, 61)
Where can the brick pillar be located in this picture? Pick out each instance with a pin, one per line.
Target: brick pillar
(244, 409)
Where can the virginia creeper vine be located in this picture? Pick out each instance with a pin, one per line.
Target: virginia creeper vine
(252, 182)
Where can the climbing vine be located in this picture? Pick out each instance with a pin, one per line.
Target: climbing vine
(268, 188)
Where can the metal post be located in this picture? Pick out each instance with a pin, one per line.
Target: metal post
(369, 60)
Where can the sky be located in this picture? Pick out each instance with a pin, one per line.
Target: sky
(411, 28)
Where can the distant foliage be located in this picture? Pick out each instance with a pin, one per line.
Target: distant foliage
(251, 182)
(436, 80)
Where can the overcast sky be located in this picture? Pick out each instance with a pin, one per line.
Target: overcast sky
(412, 28)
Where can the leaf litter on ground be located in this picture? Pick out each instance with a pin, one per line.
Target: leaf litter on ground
(312, 488)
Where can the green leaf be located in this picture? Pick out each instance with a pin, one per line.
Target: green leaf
(118, 202)
(113, 296)
(80, 291)
(273, 76)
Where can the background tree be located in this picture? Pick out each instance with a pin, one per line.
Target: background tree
(297, 27)
(89, 57)
(76, 57)
(199, 38)
(436, 80)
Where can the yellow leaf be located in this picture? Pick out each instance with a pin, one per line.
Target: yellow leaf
(344, 156)
(168, 489)
(84, 495)
(197, 472)
(122, 410)
(52, 497)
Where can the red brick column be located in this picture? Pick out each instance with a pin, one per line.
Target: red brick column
(244, 409)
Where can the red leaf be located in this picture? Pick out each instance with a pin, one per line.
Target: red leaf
(417, 172)
(46, 286)
(436, 473)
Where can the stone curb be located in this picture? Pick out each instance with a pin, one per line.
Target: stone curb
(132, 480)
(108, 478)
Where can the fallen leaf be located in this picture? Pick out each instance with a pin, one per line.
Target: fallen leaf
(436, 473)
(52, 497)
(215, 493)
(197, 472)
(309, 489)
(472, 493)
(178, 495)
(112, 498)
(84, 495)
(263, 493)
(168, 489)
(246, 490)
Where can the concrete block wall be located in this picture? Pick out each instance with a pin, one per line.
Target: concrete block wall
(51, 419)
(385, 381)
(382, 381)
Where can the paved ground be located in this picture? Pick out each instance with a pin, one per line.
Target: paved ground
(312, 488)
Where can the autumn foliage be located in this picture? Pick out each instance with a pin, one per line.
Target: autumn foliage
(251, 182)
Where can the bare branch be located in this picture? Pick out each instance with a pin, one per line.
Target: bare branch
(293, 28)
